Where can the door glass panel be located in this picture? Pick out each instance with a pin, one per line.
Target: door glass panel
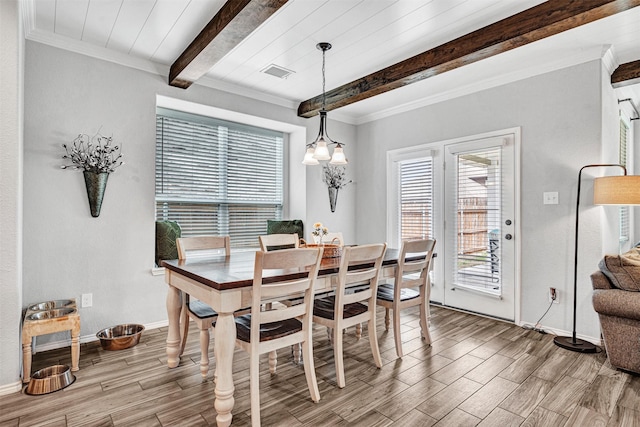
(478, 191)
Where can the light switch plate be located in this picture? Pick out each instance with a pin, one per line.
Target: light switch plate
(550, 198)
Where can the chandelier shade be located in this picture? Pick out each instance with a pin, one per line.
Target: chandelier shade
(309, 159)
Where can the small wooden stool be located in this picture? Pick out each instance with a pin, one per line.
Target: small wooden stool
(33, 326)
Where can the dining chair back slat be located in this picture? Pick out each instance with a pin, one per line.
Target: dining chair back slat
(290, 312)
(203, 243)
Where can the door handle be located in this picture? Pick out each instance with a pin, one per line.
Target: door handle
(508, 237)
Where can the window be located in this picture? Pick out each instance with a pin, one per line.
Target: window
(218, 177)
(410, 210)
(624, 210)
(416, 198)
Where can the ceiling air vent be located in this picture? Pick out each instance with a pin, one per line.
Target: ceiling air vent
(277, 71)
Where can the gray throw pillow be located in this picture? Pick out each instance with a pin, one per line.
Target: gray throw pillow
(166, 234)
(623, 270)
(289, 226)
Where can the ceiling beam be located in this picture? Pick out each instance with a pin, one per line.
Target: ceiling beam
(235, 20)
(541, 21)
(626, 74)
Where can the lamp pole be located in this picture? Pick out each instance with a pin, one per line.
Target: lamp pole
(572, 343)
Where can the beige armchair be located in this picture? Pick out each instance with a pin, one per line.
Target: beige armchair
(619, 312)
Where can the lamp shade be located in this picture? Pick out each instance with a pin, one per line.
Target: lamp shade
(617, 190)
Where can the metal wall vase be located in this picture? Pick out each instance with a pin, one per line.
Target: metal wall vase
(333, 198)
(96, 184)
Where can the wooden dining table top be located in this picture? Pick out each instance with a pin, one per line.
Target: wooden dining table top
(236, 270)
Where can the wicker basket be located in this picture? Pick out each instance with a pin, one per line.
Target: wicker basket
(330, 250)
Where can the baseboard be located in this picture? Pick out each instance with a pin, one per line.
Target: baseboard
(475, 313)
(562, 333)
(88, 338)
(10, 388)
(17, 386)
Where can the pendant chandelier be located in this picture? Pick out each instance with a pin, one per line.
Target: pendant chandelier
(319, 148)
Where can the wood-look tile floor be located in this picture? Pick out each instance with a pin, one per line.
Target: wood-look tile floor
(478, 371)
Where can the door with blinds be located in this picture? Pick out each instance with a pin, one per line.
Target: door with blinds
(479, 204)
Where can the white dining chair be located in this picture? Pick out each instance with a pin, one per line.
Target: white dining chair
(359, 267)
(203, 315)
(266, 331)
(407, 290)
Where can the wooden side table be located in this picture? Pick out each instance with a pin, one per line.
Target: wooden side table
(49, 321)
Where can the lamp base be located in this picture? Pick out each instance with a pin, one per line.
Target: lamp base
(581, 346)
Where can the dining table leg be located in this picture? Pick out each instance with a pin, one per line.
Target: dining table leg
(174, 305)
(225, 341)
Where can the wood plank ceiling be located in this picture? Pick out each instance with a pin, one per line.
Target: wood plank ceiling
(544, 20)
(367, 36)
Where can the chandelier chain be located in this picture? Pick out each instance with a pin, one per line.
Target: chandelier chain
(323, 82)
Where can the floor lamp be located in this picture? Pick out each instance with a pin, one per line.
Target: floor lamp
(619, 190)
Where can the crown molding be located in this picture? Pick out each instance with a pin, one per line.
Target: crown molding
(609, 58)
(246, 92)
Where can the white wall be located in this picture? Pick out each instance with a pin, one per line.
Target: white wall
(66, 251)
(11, 140)
(560, 117)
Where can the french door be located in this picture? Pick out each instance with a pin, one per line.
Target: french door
(479, 203)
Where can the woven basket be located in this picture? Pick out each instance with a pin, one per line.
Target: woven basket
(330, 250)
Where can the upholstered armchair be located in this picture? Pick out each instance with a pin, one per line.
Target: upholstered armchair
(616, 299)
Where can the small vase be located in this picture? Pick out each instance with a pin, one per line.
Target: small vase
(96, 184)
(317, 240)
(333, 198)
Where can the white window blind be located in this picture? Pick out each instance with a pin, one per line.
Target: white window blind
(624, 210)
(416, 198)
(478, 225)
(217, 177)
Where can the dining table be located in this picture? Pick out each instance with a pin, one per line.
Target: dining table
(225, 283)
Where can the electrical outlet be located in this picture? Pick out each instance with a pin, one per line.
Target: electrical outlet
(553, 295)
(87, 300)
(550, 198)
